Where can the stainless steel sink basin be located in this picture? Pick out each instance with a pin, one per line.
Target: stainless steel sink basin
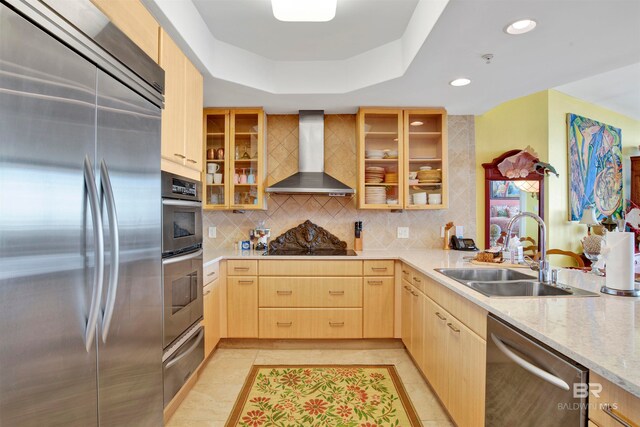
(517, 288)
(501, 282)
(484, 274)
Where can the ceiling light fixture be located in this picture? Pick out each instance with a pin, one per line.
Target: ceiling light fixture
(304, 10)
(460, 82)
(416, 123)
(520, 27)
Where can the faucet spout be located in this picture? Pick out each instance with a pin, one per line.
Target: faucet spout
(544, 269)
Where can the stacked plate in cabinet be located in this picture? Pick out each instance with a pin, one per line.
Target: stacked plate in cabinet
(374, 175)
(391, 178)
(375, 195)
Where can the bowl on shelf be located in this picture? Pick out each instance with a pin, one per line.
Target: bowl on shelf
(419, 198)
(390, 154)
(392, 201)
(425, 168)
(374, 154)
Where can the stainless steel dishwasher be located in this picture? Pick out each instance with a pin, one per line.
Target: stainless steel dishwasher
(529, 384)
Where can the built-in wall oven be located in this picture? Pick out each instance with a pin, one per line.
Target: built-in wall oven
(182, 279)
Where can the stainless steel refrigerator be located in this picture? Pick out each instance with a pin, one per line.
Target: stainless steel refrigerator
(80, 221)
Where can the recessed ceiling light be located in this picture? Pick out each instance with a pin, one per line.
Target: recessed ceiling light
(304, 10)
(416, 123)
(520, 27)
(460, 82)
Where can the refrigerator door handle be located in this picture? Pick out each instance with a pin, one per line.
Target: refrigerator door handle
(98, 237)
(531, 368)
(189, 350)
(114, 233)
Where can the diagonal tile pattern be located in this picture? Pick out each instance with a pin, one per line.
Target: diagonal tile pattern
(337, 214)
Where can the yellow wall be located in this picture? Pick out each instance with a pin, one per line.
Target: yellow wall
(539, 120)
(565, 234)
(509, 126)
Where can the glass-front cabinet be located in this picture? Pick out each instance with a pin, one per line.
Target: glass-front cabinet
(402, 158)
(380, 154)
(234, 157)
(426, 159)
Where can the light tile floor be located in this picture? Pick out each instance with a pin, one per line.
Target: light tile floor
(211, 400)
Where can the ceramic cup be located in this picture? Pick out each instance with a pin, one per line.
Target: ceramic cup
(217, 178)
(209, 178)
(243, 178)
(213, 167)
(413, 175)
(435, 199)
(220, 154)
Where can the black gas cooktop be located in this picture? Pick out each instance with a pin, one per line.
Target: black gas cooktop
(317, 252)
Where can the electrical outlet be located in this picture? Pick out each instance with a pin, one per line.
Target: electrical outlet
(213, 231)
(403, 232)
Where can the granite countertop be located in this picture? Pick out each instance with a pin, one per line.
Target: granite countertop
(601, 333)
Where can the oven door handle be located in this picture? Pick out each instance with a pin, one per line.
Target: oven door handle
(98, 237)
(114, 231)
(187, 351)
(527, 366)
(184, 203)
(181, 258)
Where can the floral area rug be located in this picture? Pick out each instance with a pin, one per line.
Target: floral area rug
(331, 396)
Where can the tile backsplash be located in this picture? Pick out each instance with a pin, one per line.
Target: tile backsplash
(337, 214)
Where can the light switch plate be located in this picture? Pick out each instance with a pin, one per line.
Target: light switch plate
(213, 231)
(403, 232)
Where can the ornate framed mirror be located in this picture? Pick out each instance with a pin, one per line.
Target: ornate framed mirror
(505, 197)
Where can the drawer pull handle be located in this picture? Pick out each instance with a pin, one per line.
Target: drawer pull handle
(374, 282)
(453, 328)
(241, 268)
(336, 292)
(245, 282)
(191, 161)
(607, 409)
(405, 271)
(407, 288)
(179, 155)
(379, 268)
(284, 324)
(211, 274)
(415, 279)
(440, 316)
(414, 294)
(284, 292)
(336, 324)
(206, 293)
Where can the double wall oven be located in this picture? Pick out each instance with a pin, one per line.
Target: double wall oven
(182, 280)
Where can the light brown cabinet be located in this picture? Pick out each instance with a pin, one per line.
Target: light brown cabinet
(449, 353)
(242, 306)
(181, 118)
(211, 308)
(234, 147)
(133, 19)
(393, 146)
(612, 405)
(378, 305)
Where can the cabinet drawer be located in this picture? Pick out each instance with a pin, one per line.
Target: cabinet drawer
(612, 402)
(311, 323)
(407, 273)
(473, 316)
(310, 292)
(211, 272)
(310, 268)
(378, 267)
(242, 267)
(419, 281)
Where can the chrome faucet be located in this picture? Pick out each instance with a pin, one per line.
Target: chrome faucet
(544, 268)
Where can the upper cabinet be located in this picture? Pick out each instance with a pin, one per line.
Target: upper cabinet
(380, 158)
(402, 158)
(133, 19)
(181, 117)
(234, 153)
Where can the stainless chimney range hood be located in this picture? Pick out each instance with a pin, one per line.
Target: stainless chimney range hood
(311, 178)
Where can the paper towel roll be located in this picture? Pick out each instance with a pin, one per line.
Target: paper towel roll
(620, 265)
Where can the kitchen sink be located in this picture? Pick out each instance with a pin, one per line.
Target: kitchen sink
(501, 282)
(483, 274)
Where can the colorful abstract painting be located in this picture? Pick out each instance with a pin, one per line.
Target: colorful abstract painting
(595, 167)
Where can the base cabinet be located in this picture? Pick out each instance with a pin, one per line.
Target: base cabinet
(450, 355)
(242, 307)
